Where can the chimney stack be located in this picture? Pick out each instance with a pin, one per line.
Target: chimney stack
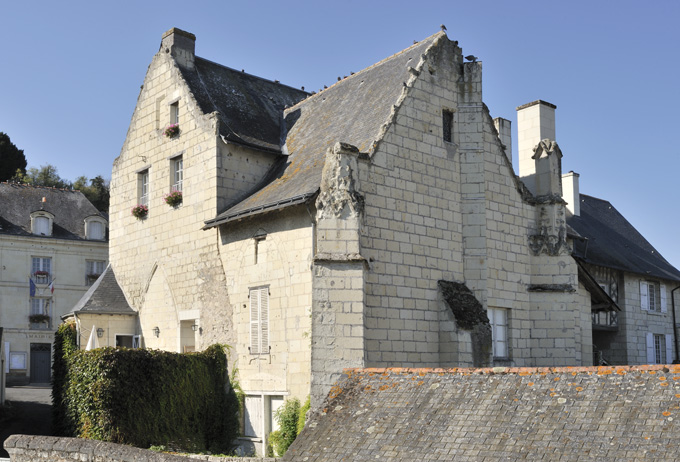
(503, 127)
(571, 193)
(182, 46)
(535, 122)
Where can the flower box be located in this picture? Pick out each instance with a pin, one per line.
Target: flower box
(171, 130)
(140, 211)
(41, 274)
(38, 318)
(174, 198)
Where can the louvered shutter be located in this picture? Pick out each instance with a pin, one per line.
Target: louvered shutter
(663, 299)
(254, 321)
(651, 357)
(264, 320)
(669, 349)
(644, 296)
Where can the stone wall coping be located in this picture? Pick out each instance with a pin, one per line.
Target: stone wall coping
(36, 448)
(574, 370)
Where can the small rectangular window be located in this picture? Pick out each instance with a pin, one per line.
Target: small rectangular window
(41, 226)
(174, 113)
(95, 230)
(177, 173)
(259, 320)
(447, 125)
(143, 188)
(498, 318)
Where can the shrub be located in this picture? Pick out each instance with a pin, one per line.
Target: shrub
(287, 418)
(150, 397)
(65, 343)
(302, 415)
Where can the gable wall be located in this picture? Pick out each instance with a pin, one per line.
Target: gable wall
(166, 265)
(283, 263)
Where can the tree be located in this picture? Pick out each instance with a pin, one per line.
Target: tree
(11, 158)
(97, 192)
(46, 175)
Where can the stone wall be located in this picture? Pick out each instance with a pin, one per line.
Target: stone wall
(28, 448)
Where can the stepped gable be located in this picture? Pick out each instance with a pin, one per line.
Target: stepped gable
(567, 413)
(249, 108)
(354, 110)
(69, 207)
(613, 242)
(104, 297)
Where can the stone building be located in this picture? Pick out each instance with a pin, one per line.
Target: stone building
(376, 223)
(53, 246)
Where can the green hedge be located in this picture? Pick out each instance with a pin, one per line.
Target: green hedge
(65, 343)
(149, 397)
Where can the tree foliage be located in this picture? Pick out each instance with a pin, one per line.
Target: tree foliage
(96, 192)
(11, 158)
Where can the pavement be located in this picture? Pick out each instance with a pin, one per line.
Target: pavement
(31, 412)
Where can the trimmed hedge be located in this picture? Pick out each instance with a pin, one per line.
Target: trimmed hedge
(65, 343)
(149, 397)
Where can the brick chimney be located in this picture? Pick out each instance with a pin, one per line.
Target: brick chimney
(181, 45)
(571, 193)
(535, 122)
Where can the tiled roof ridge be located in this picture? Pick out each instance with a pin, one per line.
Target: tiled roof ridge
(575, 370)
(374, 65)
(36, 186)
(242, 72)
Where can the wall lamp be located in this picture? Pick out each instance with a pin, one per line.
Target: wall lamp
(194, 327)
(156, 331)
(100, 332)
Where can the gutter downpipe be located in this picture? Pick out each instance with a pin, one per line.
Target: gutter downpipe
(675, 327)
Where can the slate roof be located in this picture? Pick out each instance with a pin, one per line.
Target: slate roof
(596, 413)
(69, 207)
(104, 297)
(354, 110)
(613, 242)
(250, 108)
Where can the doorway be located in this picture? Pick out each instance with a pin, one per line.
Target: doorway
(40, 362)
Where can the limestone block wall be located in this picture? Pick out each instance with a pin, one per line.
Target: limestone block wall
(68, 267)
(638, 322)
(167, 266)
(275, 252)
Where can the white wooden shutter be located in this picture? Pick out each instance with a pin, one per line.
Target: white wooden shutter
(252, 416)
(254, 321)
(264, 320)
(669, 349)
(663, 299)
(651, 357)
(644, 295)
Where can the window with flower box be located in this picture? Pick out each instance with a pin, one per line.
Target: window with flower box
(93, 270)
(40, 317)
(41, 269)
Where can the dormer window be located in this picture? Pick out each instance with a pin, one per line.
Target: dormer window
(41, 223)
(95, 228)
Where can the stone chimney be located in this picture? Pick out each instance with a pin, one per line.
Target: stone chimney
(535, 122)
(503, 127)
(181, 45)
(570, 193)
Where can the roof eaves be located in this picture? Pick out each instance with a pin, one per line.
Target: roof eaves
(273, 206)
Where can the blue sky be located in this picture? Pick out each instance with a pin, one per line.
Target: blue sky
(70, 73)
